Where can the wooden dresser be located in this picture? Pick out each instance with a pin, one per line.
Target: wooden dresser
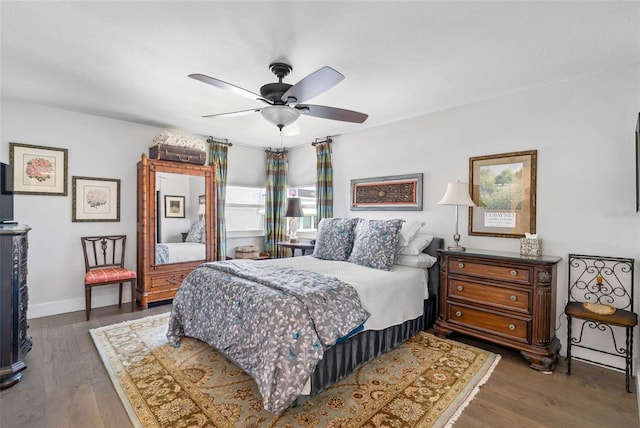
(501, 297)
(14, 341)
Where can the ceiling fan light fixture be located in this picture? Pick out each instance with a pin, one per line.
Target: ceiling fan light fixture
(280, 116)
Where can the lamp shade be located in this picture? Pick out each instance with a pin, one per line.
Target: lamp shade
(457, 194)
(280, 116)
(201, 209)
(294, 208)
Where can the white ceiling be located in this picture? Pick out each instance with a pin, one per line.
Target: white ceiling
(130, 59)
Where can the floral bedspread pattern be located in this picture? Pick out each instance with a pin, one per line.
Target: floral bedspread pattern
(273, 322)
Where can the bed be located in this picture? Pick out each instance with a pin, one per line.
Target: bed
(345, 337)
(177, 252)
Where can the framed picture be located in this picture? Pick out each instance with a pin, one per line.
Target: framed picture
(394, 193)
(503, 187)
(38, 170)
(173, 206)
(638, 164)
(95, 199)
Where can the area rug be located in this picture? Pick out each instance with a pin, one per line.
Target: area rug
(426, 382)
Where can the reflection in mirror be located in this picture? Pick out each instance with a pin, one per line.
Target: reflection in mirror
(180, 239)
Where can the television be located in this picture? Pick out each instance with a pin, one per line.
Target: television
(6, 193)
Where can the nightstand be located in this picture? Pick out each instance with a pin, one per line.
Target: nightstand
(303, 247)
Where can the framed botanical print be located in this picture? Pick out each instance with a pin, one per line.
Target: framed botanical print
(503, 187)
(38, 170)
(95, 199)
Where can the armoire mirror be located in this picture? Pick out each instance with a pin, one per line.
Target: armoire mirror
(176, 225)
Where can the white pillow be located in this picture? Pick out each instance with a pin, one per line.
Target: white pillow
(408, 232)
(422, 260)
(416, 245)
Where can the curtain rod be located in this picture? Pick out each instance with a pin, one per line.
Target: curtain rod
(222, 141)
(276, 150)
(326, 140)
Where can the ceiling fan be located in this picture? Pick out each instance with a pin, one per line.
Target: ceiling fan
(284, 100)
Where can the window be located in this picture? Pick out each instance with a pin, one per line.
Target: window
(244, 209)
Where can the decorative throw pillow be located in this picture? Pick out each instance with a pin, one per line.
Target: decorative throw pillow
(375, 243)
(422, 260)
(416, 245)
(196, 233)
(335, 238)
(408, 231)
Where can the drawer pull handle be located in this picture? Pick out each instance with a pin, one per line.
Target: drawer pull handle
(460, 265)
(512, 327)
(514, 272)
(458, 313)
(460, 287)
(513, 298)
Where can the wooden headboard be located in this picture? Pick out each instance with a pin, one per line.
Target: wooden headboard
(434, 271)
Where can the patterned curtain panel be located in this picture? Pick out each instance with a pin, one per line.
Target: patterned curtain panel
(275, 203)
(324, 182)
(218, 158)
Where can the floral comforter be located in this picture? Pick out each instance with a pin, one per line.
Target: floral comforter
(273, 322)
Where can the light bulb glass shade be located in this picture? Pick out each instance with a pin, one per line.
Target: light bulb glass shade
(201, 209)
(457, 194)
(280, 115)
(294, 208)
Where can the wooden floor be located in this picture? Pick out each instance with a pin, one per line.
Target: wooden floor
(66, 385)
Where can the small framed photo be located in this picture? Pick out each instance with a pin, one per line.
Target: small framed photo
(503, 187)
(173, 206)
(38, 170)
(95, 199)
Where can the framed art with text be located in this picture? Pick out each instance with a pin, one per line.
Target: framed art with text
(397, 193)
(95, 199)
(38, 170)
(503, 187)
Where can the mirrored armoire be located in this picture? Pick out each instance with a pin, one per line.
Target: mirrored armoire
(176, 225)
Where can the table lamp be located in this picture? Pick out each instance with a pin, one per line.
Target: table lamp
(294, 210)
(457, 194)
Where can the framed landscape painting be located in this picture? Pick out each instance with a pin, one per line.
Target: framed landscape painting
(95, 199)
(173, 206)
(38, 170)
(503, 187)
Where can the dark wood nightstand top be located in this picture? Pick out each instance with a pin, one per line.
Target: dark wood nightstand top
(302, 246)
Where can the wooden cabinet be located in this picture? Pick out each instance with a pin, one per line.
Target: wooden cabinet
(503, 298)
(160, 281)
(14, 296)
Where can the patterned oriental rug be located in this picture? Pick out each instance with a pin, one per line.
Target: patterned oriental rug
(426, 382)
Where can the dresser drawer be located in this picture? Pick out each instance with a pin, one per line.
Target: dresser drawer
(466, 267)
(170, 280)
(503, 325)
(492, 295)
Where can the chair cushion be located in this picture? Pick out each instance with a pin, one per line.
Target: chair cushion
(115, 274)
(620, 317)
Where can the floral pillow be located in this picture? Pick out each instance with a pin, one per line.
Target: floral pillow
(375, 243)
(335, 238)
(196, 233)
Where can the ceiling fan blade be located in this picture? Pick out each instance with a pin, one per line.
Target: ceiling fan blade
(235, 113)
(313, 85)
(226, 86)
(332, 113)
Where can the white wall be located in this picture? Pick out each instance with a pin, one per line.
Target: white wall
(98, 147)
(583, 130)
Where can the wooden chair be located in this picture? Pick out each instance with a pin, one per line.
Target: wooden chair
(104, 265)
(601, 298)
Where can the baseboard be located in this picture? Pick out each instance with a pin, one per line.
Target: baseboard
(71, 305)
